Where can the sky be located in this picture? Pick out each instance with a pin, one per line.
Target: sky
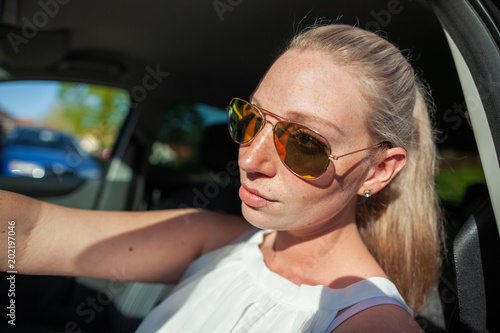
(28, 99)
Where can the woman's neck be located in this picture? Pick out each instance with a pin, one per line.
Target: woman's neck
(335, 258)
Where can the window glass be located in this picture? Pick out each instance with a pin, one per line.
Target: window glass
(179, 149)
(459, 172)
(460, 183)
(58, 131)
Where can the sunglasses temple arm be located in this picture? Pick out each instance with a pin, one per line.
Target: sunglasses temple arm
(336, 157)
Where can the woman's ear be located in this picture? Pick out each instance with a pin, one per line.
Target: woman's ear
(386, 168)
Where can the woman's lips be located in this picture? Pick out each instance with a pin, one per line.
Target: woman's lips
(253, 198)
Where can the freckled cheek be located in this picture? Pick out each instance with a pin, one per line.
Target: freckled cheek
(299, 192)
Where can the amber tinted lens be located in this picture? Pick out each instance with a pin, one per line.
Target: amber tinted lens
(302, 150)
(244, 121)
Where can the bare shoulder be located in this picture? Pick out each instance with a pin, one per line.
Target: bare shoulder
(381, 318)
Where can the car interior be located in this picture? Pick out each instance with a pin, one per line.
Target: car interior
(143, 86)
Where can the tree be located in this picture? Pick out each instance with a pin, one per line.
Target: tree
(90, 111)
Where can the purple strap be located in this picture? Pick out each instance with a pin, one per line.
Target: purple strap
(363, 305)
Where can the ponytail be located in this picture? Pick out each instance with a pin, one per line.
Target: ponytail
(399, 224)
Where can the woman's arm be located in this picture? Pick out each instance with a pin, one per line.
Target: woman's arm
(154, 246)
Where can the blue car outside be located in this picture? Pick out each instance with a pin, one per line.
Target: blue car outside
(48, 154)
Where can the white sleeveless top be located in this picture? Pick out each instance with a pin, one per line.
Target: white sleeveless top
(232, 290)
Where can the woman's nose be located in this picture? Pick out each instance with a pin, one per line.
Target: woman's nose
(259, 156)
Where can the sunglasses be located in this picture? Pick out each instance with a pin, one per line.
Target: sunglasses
(303, 151)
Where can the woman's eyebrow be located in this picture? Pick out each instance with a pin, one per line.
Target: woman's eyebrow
(303, 118)
(312, 120)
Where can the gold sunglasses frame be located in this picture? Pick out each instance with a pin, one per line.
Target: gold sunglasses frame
(263, 113)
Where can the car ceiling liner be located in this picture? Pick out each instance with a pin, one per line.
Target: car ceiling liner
(18, 45)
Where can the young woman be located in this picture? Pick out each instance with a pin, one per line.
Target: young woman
(337, 168)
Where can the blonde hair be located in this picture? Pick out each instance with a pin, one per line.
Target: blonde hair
(400, 225)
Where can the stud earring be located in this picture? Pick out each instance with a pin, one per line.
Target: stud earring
(368, 193)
